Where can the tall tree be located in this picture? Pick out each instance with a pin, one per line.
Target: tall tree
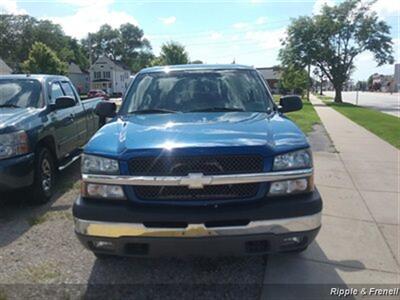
(43, 60)
(332, 40)
(173, 53)
(18, 33)
(126, 44)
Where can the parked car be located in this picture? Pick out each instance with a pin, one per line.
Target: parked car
(198, 160)
(98, 94)
(43, 125)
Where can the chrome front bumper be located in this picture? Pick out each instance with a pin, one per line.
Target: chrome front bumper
(276, 226)
(197, 180)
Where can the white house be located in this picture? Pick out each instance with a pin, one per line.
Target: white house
(110, 76)
(79, 78)
(4, 68)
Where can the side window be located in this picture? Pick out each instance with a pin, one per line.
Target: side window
(56, 91)
(68, 89)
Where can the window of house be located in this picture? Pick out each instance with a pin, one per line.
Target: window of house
(106, 74)
(97, 75)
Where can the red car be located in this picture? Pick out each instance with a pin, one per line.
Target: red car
(98, 93)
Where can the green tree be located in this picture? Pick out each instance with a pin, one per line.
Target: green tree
(294, 79)
(332, 39)
(196, 62)
(173, 53)
(126, 44)
(43, 60)
(18, 33)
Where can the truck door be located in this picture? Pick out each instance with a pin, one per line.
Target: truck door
(79, 114)
(63, 120)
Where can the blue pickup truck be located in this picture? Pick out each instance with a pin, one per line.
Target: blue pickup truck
(198, 160)
(43, 125)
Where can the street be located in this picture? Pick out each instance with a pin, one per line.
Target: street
(384, 102)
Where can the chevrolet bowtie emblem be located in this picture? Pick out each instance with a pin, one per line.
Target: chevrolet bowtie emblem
(196, 180)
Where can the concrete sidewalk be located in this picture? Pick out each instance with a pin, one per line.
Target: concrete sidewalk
(359, 239)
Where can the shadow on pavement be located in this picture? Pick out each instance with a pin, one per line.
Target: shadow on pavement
(18, 214)
(177, 278)
(289, 276)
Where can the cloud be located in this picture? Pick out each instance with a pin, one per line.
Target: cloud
(386, 8)
(319, 4)
(261, 20)
(10, 7)
(81, 3)
(267, 39)
(168, 21)
(89, 18)
(240, 25)
(215, 36)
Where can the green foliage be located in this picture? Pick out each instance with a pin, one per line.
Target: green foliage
(385, 126)
(294, 80)
(196, 62)
(43, 60)
(173, 53)
(332, 39)
(18, 33)
(304, 118)
(127, 44)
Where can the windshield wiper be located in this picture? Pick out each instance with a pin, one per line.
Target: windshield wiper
(212, 109)
(153, 111)
(9, 105)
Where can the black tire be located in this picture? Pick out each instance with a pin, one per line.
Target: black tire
(44, 180)
(103, 256)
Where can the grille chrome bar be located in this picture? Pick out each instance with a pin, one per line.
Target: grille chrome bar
(196, 180)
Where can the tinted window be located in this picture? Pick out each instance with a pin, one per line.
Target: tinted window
(20, 92)
(196, 90)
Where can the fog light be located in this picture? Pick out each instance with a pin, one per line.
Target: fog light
(93, 190)
(103, 245)
(288, 187)
(292, 240)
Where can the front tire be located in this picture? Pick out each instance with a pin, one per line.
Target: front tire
(44, 176)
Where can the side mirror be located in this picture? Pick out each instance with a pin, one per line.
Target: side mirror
(105, 109)
(290, 103)
(64, 102)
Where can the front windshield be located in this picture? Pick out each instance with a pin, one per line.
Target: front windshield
(20, 93)
(197, 90)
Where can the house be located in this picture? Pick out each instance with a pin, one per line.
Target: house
(109, 75)
(79, 78)
(383, 83)
(271, 75)
(4, 68)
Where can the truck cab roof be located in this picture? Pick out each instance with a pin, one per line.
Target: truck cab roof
(190, 67)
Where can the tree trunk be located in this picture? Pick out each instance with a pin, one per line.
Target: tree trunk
(338, 94)
(320, 91)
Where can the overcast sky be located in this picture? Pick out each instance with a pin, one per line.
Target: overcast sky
(214, 31)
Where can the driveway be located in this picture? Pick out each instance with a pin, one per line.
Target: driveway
(384, 102)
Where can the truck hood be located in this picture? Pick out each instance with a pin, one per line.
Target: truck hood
(11, 118)
(275, 133)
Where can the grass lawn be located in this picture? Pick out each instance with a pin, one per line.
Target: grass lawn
(304, 118)
(385, 126)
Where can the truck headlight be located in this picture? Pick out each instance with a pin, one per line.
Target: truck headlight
(13, 144)
(94, 190)
(299, 159)
(92, 164)
(288, 187)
